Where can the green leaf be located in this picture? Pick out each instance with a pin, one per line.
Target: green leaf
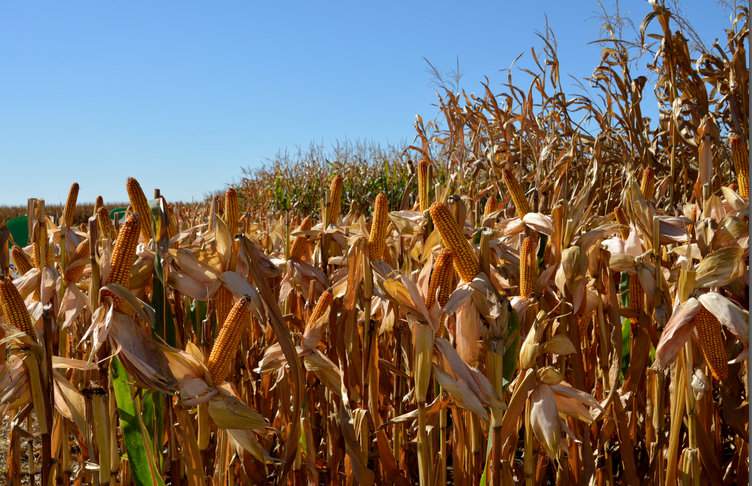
(163, 322)
(137, 443)
(511, 346)
(624, 289)
(153, 404)
(489, 445)
(626, 343)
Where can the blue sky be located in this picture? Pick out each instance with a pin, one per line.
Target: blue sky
(182, 95)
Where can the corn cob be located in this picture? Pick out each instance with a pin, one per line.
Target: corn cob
(223, 303)
(515, 192)
(40, 246)
(14, 308)
(23, 264)
(106, 228)
(710, 341)
(465, 260)
(228, 340)
(647, 183)
(335, 200)
(379, 224)
(98, 203)
(528, 265)
(635, 295)
(442, 280)
(140, 206)
(124, 253)
(232, 211)
(301, 247)
(325, 300)
(423, 184)
(621, 218)
(73, 274)
(490, 205)
(740, 156)
(172, 221)
(70, 206)
(458, 209)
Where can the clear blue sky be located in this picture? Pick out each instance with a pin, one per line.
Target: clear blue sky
(182, 95)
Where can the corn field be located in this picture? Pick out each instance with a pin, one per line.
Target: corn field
(557, 294)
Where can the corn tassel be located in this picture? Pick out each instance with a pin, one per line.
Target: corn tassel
(70, 206)
(442, 280)
(228, 340)
(140, 206)
(464, 258)
(21, 259)
(379, 224)
(710, 342)
(528, 265)
(423, 184)
(232, 211)
(515, 192)
(124, 252)
(335, 200)
(740, 157)
(14, 308)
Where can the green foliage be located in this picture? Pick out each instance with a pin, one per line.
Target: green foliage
(299, 182)
(135, 436)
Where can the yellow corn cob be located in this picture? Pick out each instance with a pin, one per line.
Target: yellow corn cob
(379, 224)
(172, 221)
(335, 200)
(82, 251)
(710, 342)
(321, 306)
(23, 264)
(442, 279)
(740, 156)
(301, 247)
(14, 308)
(223, 303)
(647, 184)
(140, 206)
(490, 205)
(228, 340)
(219, 205)
(621, 218)
(465, 260)
(70, 206)
(515, 192)
(232, 211)
(528, 265)
(458, 209)
(423, 184)
(98, 203)
(106, 228)
(124, 253)
(40, 247)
